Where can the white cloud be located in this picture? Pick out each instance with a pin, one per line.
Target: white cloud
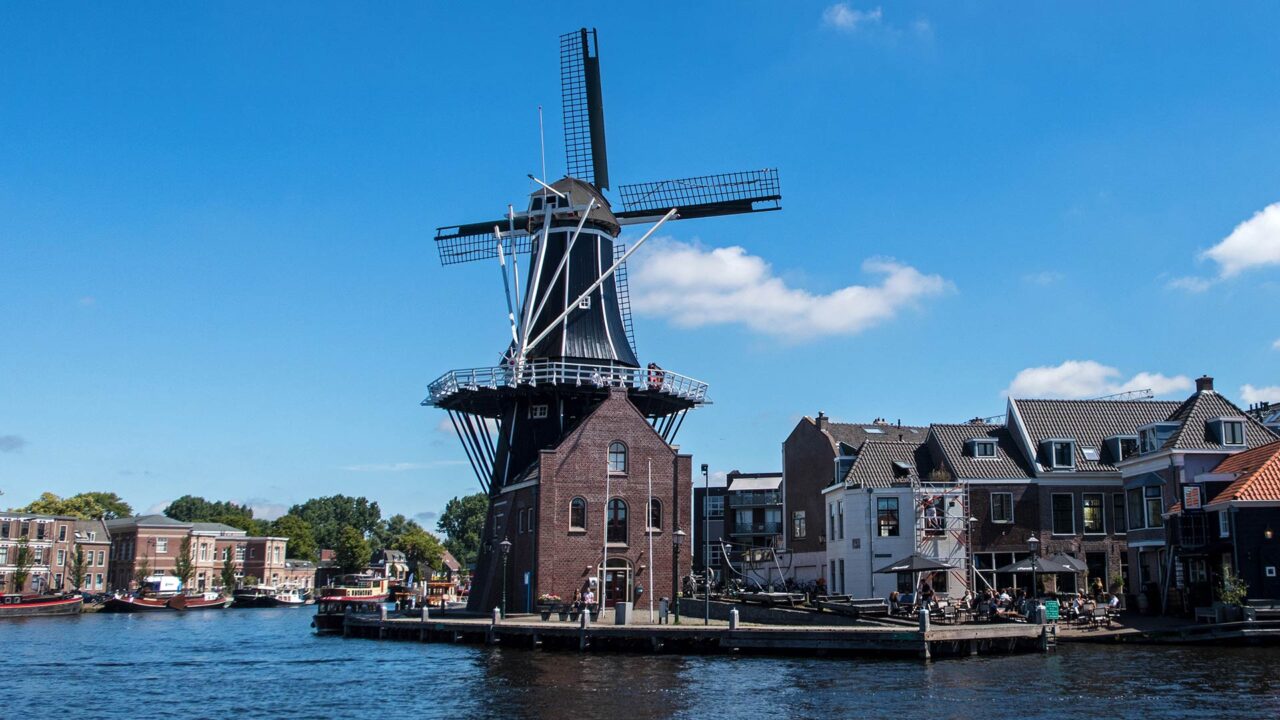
(158, 508)
(401, 466)
(1190, 284)
(694, 287)
(1044, 277)
(88, 301)
(1250, 394)
(922, 27)
(1276, 345)
(1253, 243)
(1086, 379)
(843, 17)
(264, 509)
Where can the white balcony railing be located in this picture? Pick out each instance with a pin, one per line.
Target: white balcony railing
(554, 372)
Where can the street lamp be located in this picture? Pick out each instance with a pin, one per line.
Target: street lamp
(676, 538)
(1034, 543)
(505, 547)
(706, 548)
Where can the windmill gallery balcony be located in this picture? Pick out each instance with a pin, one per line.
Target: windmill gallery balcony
(505, 378)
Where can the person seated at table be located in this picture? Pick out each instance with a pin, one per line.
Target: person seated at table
(1004, 597)
(1113, 603)
(893, 601)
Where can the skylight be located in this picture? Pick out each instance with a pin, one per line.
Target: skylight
(1090, 453)
(877, 431)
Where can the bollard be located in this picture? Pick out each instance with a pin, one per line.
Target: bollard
(733, 619)
(924, 620)
(382, 612)
(497, 615)
(425, 613)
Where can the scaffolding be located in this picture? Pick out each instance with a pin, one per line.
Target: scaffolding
(942, 532)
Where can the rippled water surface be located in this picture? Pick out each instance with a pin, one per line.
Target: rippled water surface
(267, 663)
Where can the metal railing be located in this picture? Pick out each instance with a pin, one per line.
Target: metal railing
(745, 498)
(555, 372)
(757, 528)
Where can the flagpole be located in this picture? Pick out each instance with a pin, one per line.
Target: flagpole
(605, 548)
(647, 520)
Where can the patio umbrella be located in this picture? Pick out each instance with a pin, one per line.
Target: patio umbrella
(913, 564)
(1076, 564)
(1042, 565)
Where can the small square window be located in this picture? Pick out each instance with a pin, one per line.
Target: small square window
(1232, 432)
(984, 448)
(537, 412)
(585, 303)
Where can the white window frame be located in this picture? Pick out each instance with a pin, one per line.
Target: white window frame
(984, 443)
(162, 545)
(1233, 423)
(1224, 525)
(992, 501)
(798, 525)
(1053, 512)
(538, 412)
(840, 516)
(1053, 453)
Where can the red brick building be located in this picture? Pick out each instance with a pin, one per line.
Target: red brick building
(584, 515)
(51, 540)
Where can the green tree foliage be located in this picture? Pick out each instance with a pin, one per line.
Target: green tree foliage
(142, 571)
(77, 568)
(329, 515)
(302, 541)
(1234, 590)
(228, 575)
(87, 506)
(421, 549)
(183, 566)
(463, 525)
(352, 550)
(23, 559)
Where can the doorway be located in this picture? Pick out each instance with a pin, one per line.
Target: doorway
(617, 582)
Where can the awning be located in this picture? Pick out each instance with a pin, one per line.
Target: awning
(760, 483)
(914, 563)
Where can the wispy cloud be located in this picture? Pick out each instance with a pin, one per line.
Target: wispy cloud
(1087, 378)
(695, 287)
(264, 509)
(1043, 278)
(1275, 345)
(87, 301)
(12, 443)
(1253, 243)
(426, 518)
(1251, 394)
(401, 466)
(847, 19)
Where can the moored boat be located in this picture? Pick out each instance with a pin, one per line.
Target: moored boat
(17, 605)
(134, 604)
(359, 594)
(200, 601)
(291, 597)
(255, 596)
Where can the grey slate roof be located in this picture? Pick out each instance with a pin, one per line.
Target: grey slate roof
(875, 466)
(156, 520)
(1194, 433)
(855, 434)
(84, 527)
(217, 527)
(950, 440)
(1088, 422)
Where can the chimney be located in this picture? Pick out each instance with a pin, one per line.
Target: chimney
(822, 421)
(1204, 383)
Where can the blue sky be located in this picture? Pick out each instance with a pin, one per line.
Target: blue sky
(217, 274)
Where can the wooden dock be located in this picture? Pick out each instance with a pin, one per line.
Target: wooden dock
(529, 632)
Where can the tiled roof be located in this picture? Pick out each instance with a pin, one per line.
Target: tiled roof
(855, 434)
(1088, 422)
(84, 527)
(217, 527)
(1194, 414)
(876, 468)
(449, 561)
(1257, 475)
(951, 440)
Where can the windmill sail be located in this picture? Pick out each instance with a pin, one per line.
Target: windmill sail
(703, 196)
(583, 107)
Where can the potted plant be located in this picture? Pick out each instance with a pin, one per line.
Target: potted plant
(547, 603)
(1231, 596)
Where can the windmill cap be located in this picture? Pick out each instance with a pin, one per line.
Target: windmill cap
(579, 192)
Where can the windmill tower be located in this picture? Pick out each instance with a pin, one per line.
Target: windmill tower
(571, 331)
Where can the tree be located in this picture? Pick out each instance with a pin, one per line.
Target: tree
(421, 549)
(352, 550)
(329, 515)
(86, 506)
(77, 568)
(142, 571)
(463, 525)
(302, 541)
(228, 575)
(183, 566)
(23, 559)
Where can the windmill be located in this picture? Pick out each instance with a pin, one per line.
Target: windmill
(571, 331)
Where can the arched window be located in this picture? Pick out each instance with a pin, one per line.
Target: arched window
(617, 525)
(617, 457)
(655, 514)
(578, 514)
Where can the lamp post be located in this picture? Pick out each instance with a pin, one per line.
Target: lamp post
(676, 538)
(505, 547)
(1034, 543)
(706, 548)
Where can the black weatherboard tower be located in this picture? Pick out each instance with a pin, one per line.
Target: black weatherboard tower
(571, 331)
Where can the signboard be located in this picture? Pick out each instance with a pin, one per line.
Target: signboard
(857, 543)
(1191, 497)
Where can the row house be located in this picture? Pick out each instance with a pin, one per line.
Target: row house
(1183, 524)
(753, 520)
(94, 540)
(816, 454)
(708, 526)
(50, 540)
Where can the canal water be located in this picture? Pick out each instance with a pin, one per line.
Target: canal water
(267, 663)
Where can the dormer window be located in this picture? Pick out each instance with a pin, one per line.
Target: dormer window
(1153, 437)
(982, 448)
(1228, 431)
(1060, 453)
(902, 469)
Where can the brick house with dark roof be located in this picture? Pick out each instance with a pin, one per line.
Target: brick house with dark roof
(816, 454)
(1178, 546)
(1248, 511)
(582, 515)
